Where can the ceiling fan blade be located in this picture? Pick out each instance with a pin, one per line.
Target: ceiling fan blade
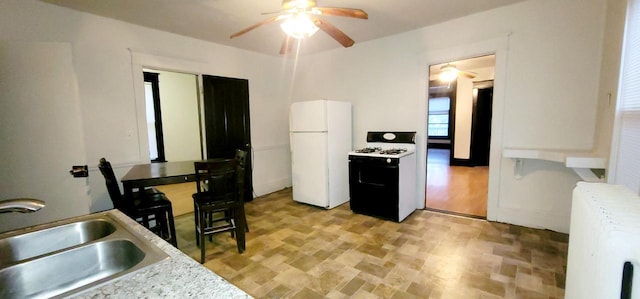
(272, 12)
(343, 12)
(469, 75)
(287, 45)
(243, 31)
(334, 32)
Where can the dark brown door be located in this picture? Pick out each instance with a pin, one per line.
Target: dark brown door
(481, 127)
(227, 123)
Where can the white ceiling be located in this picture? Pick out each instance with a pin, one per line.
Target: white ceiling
(216, 20)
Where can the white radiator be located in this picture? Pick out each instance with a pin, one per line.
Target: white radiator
(604, 235)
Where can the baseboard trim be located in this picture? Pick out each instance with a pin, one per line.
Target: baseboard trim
(456, 213)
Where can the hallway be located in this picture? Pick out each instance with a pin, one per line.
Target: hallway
(457, 189)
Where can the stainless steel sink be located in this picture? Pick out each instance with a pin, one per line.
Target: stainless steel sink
(28, 245)
(81, 253)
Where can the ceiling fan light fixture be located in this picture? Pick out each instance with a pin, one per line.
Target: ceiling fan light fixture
(301, 18)
(299, 26)
(448, 73)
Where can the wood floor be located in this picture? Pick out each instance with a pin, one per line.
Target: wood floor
(300, 251)
(457, 189)
(180, 197)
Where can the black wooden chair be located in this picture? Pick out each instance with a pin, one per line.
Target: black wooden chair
(241, 157)
(149, 207)
(218, 206)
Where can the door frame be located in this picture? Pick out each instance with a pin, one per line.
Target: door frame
(157, 111)
(499, 47)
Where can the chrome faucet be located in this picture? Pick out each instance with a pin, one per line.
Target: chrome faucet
(22, 205)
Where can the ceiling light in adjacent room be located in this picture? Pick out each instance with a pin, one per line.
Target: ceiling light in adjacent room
(448, 73)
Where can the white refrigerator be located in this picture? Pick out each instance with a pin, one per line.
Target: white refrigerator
(320, 133)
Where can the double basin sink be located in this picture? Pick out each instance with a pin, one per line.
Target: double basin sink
(65, 257)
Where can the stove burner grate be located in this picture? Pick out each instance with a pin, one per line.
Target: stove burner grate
(367, 150)
(393, 151)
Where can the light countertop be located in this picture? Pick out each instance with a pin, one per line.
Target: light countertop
(176, 277)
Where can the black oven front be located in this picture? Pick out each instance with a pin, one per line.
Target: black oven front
(374, 186)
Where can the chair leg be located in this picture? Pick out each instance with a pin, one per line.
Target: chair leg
(240, 230)
(231, 215)
(172, 229)
(160, 219)
(203, 245)
(240, 235)
(209, 223)
(243, 217)
(196, 215)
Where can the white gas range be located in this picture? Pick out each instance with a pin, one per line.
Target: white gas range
(382, 176)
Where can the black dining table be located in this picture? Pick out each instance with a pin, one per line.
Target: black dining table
(156, 174)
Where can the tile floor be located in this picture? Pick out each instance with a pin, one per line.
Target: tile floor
(299, 251)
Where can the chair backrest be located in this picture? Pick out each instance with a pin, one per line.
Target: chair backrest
(220, 176)
(112, 184)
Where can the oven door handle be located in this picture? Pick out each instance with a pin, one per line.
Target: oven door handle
(372, 184)
(360, 181)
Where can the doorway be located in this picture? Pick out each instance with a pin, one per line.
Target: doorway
(142, 62)
(173, 117)
(459, 132)
(182, 127)
(173, 124)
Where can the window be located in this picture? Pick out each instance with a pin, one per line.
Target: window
(438, 120)
(625, 168)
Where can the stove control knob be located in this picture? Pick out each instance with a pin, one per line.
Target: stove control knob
(388, 160)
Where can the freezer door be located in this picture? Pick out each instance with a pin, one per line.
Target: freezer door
(308, 116)
(309, 168)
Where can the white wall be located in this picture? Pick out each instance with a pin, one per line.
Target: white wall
(40, 132)
(114, 122)
(547, 76)
(608, 88)
(547, 89)
(464, 113)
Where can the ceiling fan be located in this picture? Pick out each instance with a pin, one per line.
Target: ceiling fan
(449, 72)
(301, 18)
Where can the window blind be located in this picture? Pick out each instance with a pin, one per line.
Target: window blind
(626, 166)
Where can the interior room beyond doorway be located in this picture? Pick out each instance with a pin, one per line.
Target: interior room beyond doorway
(178, 117)
(459, 133)
(456, 189)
